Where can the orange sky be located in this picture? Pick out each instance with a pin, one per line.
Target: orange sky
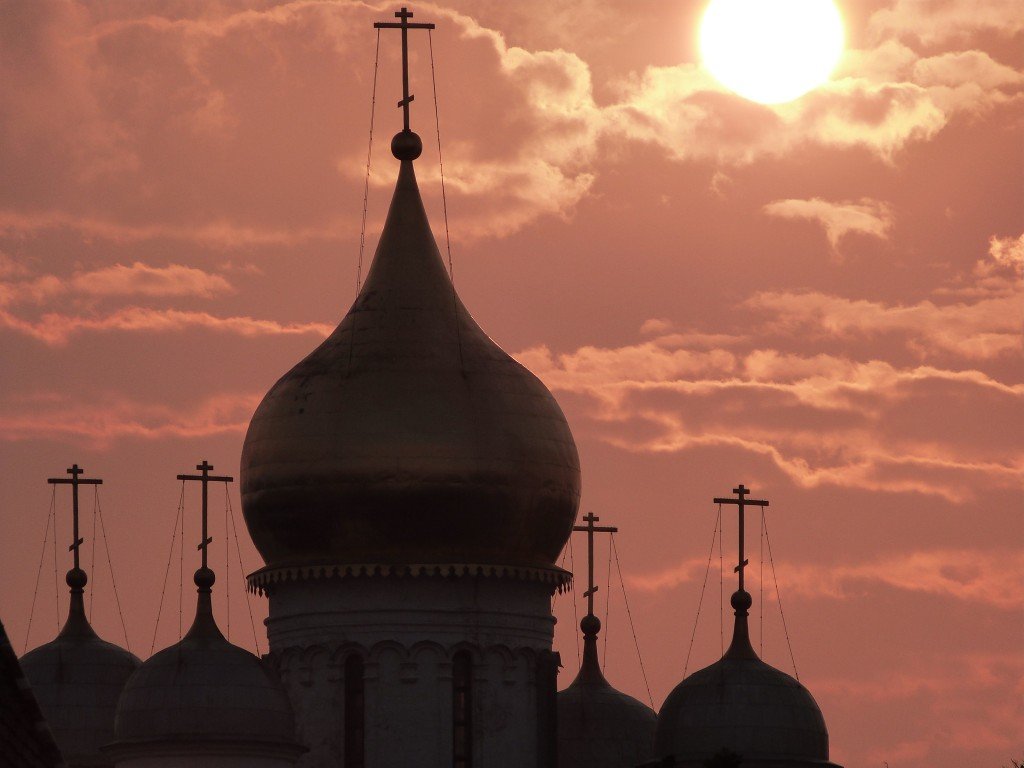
(821, 300)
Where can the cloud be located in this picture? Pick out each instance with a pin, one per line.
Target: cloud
(974, 576)
(113, 101)
(1000, 274)
(11, 268)
(873, 102)
(56, 329)
(118, 280)
(960, 68)
(971, 706)
(1008, 252)
(937, 21)
(656, 325)
(825, 418)
(175, 280)
(221, 233)
(58, 417)
(983, 329)
(866, 217)
(142, 280)
(820, 420)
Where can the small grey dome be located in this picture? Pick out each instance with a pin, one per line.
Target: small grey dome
(204, 691)
(598, 726)
(77, 679)
(742, 704)
(746, 706)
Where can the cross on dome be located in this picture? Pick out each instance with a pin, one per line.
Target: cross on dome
(74, 481)
(590, 529)
(205, 478)
(741, 502)
(405, 26)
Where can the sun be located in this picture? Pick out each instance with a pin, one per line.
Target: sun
(771, 51)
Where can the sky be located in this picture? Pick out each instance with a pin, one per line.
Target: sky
(821, 300)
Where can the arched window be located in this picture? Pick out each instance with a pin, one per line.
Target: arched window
(462, 710)
(355, 712)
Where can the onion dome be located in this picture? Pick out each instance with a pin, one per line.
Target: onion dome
(598, 726)
(409, 436)
(77, 679)
(205, 698)
(742, 705)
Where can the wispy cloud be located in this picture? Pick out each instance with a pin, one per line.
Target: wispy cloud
(990, 327)
(869, 217)
(18, 284)
(109, 419)
(936, 21)
(142, 280)
(55, 329)
(883, 99)
(993, 579)
(1008, 252)
(222, 233)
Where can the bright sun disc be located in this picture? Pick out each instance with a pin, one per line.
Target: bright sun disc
(771, 51)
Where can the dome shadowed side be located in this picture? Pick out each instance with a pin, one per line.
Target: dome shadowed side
(743, 705)
(598, 726)
(77, 679)
(746, 706)
(77, 682)
(203, 691)
(409, 436)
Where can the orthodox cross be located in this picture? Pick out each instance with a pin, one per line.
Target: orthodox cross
(741, 501)
(205, 478)
(405, 26)
(591, 529)
(74, 481)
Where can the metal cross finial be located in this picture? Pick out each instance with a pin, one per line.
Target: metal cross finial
(205, 478)
(74, 481)
(405, 26)
(590, 530)
(741, 502)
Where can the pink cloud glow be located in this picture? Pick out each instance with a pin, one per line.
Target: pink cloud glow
(969, 575)
(55, 329)
(115, 419)
(864, 217)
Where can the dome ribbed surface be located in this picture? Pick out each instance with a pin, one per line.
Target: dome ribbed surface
(77, 679)
(743, 705)
(746, 706)
(598, 726)
(409, 436)
(205, 690)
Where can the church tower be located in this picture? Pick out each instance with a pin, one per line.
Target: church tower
(409, 486)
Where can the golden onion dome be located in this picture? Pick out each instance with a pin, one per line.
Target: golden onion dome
(408, 435)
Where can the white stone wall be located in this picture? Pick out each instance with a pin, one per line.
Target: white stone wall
(407, 630)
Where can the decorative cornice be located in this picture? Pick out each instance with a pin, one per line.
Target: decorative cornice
(264, 580)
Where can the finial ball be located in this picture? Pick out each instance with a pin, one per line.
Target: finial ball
(741, 601)
(204, 578)
(590, 624)
(76, 578)
(406, 145)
